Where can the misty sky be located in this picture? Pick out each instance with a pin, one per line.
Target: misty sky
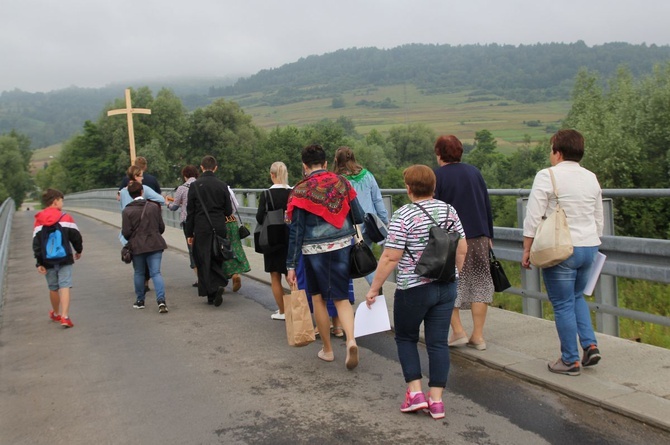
(53, 44)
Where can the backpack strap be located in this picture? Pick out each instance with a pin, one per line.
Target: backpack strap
(432, 219)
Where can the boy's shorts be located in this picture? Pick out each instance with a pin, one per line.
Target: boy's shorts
(59, 277)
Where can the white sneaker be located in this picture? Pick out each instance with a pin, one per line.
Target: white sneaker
(277, 316)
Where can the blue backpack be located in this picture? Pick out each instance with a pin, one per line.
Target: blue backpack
(55, 247)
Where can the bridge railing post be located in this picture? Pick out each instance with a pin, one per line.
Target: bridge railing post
(530, 278)
(607, 291)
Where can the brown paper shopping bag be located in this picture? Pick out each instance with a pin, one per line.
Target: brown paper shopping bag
(299, 326)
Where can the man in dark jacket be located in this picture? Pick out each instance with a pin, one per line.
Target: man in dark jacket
(149, 180)
(208, 194)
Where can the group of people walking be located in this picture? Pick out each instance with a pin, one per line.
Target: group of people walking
(321, 212)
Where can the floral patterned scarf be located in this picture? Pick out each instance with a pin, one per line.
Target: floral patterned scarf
(324, 194)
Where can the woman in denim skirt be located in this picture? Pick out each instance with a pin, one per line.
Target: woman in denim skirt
(322, 210)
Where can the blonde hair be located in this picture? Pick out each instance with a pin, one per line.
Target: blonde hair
(280, 171)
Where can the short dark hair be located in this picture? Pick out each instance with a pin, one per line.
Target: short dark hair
(313, 155)
(570, 143)
(135, 189)
(208, 163)
(50, 195)
(189, 171)
(421, 180)
(449, 148)
(141, 162)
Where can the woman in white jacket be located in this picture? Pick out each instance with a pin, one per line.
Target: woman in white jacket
(580, 197)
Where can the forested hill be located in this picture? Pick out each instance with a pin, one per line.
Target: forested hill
(526, 73)
(53, 117)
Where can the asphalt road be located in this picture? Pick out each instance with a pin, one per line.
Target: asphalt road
(205, 375)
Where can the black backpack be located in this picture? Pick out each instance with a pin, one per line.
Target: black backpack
(55, 243)
(438, 260)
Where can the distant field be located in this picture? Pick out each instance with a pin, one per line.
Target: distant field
(455, 113)
(42, 156)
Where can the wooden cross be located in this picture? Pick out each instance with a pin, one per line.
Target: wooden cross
(129, 111)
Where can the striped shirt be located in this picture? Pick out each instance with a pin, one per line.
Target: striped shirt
(409, 229)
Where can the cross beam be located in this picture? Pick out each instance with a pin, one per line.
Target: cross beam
(129, 111)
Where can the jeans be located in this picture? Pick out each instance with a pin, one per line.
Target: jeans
(431, 304)
(152, 260)
(565, 285)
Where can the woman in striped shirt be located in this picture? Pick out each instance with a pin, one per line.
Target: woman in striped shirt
(419, 299)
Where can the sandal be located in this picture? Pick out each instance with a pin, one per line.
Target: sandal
(337, 331)
(352, 355)
(326, 356)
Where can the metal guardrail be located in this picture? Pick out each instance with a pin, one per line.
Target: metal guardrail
(6, 214)
(628, 257)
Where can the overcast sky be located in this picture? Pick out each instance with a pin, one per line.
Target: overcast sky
(53, 44)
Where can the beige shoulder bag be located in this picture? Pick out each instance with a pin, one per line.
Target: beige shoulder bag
(552, 243)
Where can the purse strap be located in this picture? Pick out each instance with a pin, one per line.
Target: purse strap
(358, 236)
(268, 194)
(204, 209)
(553, 183)
(146, 203)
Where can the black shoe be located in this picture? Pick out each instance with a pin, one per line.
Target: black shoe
(218, 298)
(195, 284)
(162, 307)
(591, 356)
(210, 300)
(139, 304)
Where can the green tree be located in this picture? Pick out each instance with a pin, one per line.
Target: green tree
(338, 102)
(283, 144)
(224, 131)
(627, 137)
(15, 181)
(169, 127)
(411, 144)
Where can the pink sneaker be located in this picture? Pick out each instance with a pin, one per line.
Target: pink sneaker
(413, 404)
(436, 409)
(53, 316)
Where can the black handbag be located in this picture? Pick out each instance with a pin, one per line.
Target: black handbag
(374, 228)
(126, 254)
(438, 260)
(272, 232)
(242, 230)
(362, 261)
(500, 281)
(221, 248)
(126, 251)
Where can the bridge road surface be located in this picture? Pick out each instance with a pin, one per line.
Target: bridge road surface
(205, 375)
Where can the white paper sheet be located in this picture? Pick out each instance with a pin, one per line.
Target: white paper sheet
(598, 264)
(373, 320)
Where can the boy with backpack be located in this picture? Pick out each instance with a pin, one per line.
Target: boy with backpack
(54, 235)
